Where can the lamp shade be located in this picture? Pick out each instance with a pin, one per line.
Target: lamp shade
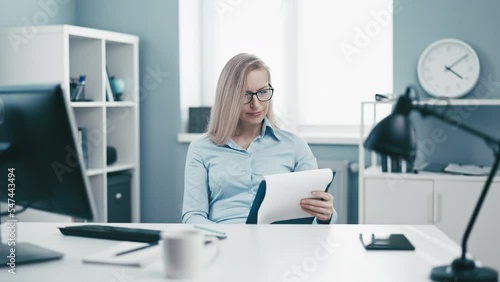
(393, 136)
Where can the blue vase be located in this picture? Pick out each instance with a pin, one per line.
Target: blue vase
(117, 86)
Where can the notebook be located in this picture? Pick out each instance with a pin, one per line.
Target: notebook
(135, 258)
(278, 197)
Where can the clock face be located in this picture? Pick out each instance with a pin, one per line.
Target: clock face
(448, 68)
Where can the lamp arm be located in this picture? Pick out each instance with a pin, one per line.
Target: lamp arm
(491, 142)
(479, 204)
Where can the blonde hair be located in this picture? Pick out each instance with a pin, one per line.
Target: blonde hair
(225, 112)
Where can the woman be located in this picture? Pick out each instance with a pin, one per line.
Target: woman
(225, 167)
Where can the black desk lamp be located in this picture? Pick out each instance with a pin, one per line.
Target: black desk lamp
(395, 136)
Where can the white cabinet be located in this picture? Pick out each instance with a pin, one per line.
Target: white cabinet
(389, 201)
(453, 205)
(454, 202)
(444, 200)
(53, 54)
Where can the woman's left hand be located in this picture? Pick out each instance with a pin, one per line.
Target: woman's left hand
(320, 205)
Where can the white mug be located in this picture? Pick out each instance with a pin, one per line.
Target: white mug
(184, 252)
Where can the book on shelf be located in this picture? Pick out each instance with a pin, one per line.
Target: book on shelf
(109, 92)
(82, 138)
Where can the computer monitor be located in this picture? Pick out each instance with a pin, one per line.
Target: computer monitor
(39, 147)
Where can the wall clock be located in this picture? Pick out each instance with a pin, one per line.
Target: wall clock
(448, 68)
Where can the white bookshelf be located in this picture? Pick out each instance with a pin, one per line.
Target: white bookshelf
(54, 54)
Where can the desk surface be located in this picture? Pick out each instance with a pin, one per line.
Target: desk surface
(253, 253)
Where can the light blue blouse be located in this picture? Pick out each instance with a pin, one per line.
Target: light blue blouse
(221, 181)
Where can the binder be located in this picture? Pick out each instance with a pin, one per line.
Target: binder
(394, 242)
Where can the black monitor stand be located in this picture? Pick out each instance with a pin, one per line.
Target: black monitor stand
(22, 253)
(14, 253)
(26, 253)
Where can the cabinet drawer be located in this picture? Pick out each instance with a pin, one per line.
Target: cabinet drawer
(394, 201)
(454, 202)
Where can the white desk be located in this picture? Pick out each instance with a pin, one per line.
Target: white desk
(254, 253)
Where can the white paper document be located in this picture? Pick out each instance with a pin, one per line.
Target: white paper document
(136, 258)
(284, 192)
(467, 169)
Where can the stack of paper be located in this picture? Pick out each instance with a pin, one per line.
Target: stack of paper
(467, 169)
(284, 191)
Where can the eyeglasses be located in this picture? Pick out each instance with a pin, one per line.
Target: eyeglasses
(262, 95)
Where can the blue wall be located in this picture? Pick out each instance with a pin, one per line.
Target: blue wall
(36, 12)
(418, 24)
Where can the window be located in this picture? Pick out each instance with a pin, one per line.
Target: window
(325, 56)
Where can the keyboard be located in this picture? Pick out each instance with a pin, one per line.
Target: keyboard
(113, 233)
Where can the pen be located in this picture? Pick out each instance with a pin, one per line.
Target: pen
(209, 230)
(136, 249)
